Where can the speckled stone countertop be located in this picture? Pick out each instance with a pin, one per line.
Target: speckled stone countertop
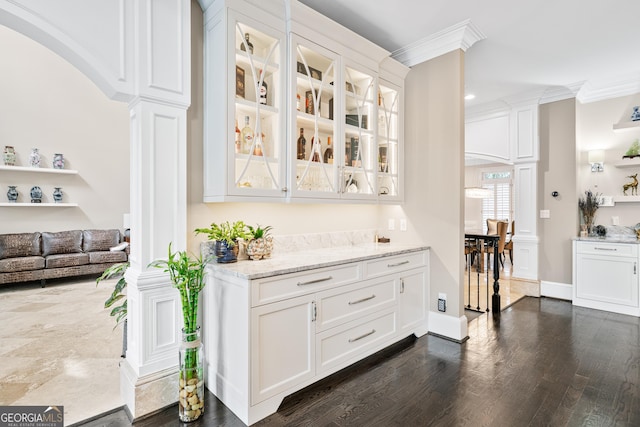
(292, 262)
(612, 239)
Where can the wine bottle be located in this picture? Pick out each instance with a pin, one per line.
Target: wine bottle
(315, 157)
(263, 90)
(247, 43)
(301, 145)
(328, 153)
(247, 136)
(298, 102)
(238, 139)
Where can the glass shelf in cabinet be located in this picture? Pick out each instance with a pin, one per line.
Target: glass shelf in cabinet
(242, 58)
(351, 130)
(308, 120)
(244, 106)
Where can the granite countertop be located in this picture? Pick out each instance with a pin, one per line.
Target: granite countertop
(292, 262)
(612, 239)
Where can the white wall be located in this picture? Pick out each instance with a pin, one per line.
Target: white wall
(594, 130)
(48, 104)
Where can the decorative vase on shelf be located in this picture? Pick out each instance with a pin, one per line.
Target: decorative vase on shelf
(191, 388)
(9, 155)
(635, 116)
(58, 161)
(12, 194)
(34, 158)
(57, 194)
(36, 194)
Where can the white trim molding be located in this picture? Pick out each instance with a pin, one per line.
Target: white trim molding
(556, 290)
(459, 36)
(454, 328)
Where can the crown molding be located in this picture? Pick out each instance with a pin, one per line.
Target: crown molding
(459, 36)
(593, 91)
(560, 93)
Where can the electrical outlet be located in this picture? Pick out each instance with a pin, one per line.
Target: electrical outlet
(392, 224)
(442, 304)
(403, 224)
(615, 220)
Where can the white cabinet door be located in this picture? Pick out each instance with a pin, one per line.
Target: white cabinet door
(413, 299)
(609, 279)
(282, 346)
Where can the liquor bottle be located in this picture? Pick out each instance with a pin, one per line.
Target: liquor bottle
(328, 153)
(301, 145)
(263, 90)
(298, 101)
(247, 136)
(238, 139)
(315, 157)
(246, 42)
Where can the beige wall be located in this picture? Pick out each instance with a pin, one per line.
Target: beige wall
(595, 131)
(434, 168)
(557, 172)
(48, 104)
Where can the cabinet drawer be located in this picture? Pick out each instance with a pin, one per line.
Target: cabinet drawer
(604, 248)
(338, 306)
(351, 340)
(277, 288)
(388, 265)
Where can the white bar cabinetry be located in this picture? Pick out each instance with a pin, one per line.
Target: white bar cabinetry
(269, 337)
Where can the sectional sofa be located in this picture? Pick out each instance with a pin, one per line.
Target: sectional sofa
(38, 256)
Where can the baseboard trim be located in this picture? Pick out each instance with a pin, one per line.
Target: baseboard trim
(556, 290)
(448, 327)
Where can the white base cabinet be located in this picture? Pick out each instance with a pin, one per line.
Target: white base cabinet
(606, 276)
(267, 338)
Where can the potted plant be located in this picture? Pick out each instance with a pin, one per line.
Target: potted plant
(226, 237)
(260, 244)
(588, 205)
(187, 275)
(119, 311)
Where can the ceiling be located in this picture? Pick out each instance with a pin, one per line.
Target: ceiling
(530, 47)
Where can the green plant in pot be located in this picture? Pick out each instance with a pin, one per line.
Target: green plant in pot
(187, 275)
(260, 244)
(116, 271)
(226, 237)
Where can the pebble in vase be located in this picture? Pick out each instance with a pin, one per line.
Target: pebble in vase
(57, 194)
(12, 194)
(36, 194)
(58, 161)
(34, 158)
(9, 155)
(635, 116)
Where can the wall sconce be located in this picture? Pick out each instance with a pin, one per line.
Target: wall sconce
(596, 159)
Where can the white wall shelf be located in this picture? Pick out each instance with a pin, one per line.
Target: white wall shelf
(628, 163)
(627, 125)
(41, 205)
(38, 170)
(626, 199)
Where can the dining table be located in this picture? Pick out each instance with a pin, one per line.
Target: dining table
(480, 239)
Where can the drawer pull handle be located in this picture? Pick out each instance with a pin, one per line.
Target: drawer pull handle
(311, 282)
(605, 249)
(373, 331)
(362, 300)
(398, 264)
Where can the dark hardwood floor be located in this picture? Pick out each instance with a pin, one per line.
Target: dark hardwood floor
(542, 362)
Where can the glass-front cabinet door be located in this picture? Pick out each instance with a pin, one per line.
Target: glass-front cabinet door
(257, 166)
(388, 163)
(359, 144)
(314, 171)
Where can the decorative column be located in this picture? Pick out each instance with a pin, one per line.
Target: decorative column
(158, 201)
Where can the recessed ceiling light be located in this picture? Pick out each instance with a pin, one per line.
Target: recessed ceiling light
(469, 96)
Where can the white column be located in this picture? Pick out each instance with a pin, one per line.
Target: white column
(525, 239)
(158, 202)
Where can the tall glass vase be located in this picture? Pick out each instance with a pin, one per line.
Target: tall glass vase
(191, 395)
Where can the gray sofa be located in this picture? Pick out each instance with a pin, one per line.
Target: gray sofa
(26, 257)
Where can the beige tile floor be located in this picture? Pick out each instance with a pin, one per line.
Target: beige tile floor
(58, 346)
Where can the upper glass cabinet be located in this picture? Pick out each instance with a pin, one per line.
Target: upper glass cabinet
(312, 153)
(258, 135)
(388, 164)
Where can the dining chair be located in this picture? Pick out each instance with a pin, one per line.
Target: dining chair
(509, 245)
(492, 226)
(502, 227)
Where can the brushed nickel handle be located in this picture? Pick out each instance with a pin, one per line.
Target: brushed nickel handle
(311, 282)
(605, 249)
(398, 264)
(362, 300)
(402, 286)
(314, 311)
(373, 331)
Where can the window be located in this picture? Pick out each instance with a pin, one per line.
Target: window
(498, 206)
